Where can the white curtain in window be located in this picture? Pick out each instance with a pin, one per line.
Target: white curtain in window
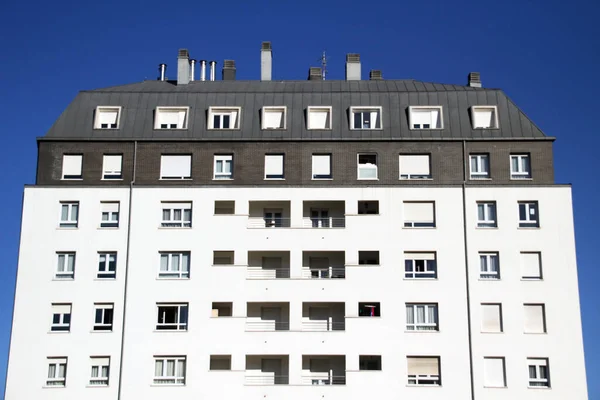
(423, 366)
(530, 265)
(112, 164)
(164, 262)
(321, 165)
(176, 166)
(414, 165)
(375, 120)
(484, 118)
(158, 367)
(410, 315)
(493, 372)
(273, 119)
(319, 119)
(274, 164)
(180, 368)
(534, 318)
(185, 262)
(107, 117)
(490, 318)
(72, 165)
(419, 211)
(51, 370)
(70, 262)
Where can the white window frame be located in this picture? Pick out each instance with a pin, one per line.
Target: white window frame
(429, 266)
(358, 166)
(221, 111)
(171, 109)
(223, 158)
(71, 221)
(176, 326)
(536, 381)
(100, 110)
(112, 217)
(104, 262)
(68, 177)
(327, 109)
(494, 109)
(172, 207)
(54, 379)
(419, 224)
(425, 108)
(532, 220)
(362, 110)
(485, 271)
(61, 266)
(321, 176)
(428, 324)
(172, 273)
(100, 371)
(520, 173)
(61, 325)
(112, 175)
(103, 326)
(274, 176)
(487, 221)
(425, 380)
(479, 160)
(408, 176)
(268, 109)
(175, 379)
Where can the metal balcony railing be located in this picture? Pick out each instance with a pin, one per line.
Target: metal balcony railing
(331, 272)
(267, 326)
(322, 326)
(266, 379)
(329, 222)
(268, 273)
(323, 379)
(262, 222)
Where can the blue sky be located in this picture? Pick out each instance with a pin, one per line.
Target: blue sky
(544, 54)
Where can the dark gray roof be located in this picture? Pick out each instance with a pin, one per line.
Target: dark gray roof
(139, 100)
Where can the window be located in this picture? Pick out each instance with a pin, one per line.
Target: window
(171, 118)
(366, 207)
(107, 265)
(531, 265)
(420, 266)
(112, 166)
(69, 213)
(223, 257)
(425, 117)
(103, 318)
(222, 309)
(491, 318)
(169, 370)
(174, 265)
(107, 117)
(223, 167)
(423, 371)
(220, 363)
(368, 258)
(484, 117)
(224, 207)
(414, 167)
(539, 372)
(57, 371)
(369, 363)
(71, 168)
(535, 318)
(369, 310)
(274, 117)
(486, 215)
(224, 117)
(100, 371)
(176, 215)
(520, 166)
(422, 317)
(494, 374)
(61, 318)
(172, 317)
(65, 269)
(365, 118)
(321, 166)
(176, 167)
(480, 166)
(528, 214)
(274, 166)
(110, 214)
(318, 118)
(367, 166)
(489, 266)
(419, 214)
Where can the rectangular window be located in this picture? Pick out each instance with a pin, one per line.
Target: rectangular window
(223, 166)
(57, 371)
(369, 309)
(220, 363)
(369, 363)
(224, 207)
(100, 371)
(224, 117)
(520, 166)
(107, 265)
(321, 166)
(366, 207)
(423, 371)
(365, 117)
(110, 214)
(176, 215)
(484, 117)
(71, 168)
(531, 265)
(274, 166)
(172, 317)
(65, 268)
(539, 372)
(489, 266)
(171, 118)
(112, 166)
(175, 167)
(422, 317)
(174, 265)
(529, 216)
(318, 117)
(368, 257)
(425, 117)
(69, 213)
(494, 374)
(107, 117)
(222, 310)
(367, 166)
(61, 318)
(420, 266)
(169, 370)
(415, 167)
(479, 166)
(486, 214)
(535, 318)
(419, 214)
(223, 257)
(491, 318)
(274, 117)
(103, 317)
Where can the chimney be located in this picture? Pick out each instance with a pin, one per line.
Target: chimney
(228, 71)
(162, 70)
(315, 74)
(192, 70)
(375, 75)
(202, 70)
(474, 79)
(183, 67)
(266, 61)
(353, 67)
(213, 69)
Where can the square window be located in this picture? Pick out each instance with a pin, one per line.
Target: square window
(172, 317)
(367, 166)
(176, 215)
(61, 318)
(535, 318)
(220, 363)
(65, 268)
(520, 166)
(415, 166)
(110, 214)
(224, 207)
(479, 166)
(489, 266)
(174, 265)
(171, 117)
(494, 373)
(69, 214)
(425, 117)
(223, 166)
(100, 371)
(365, 117)
(103, 317)
(274, 166)
(369, 363)
(71, 166)
(486, 214)
(274, 117)
(419, 214)
(420, 265)
(57, 371)
(107, 117)
(112, 166)
(423, 371)
(222, 309)
(321, 166)
(107, 265)
(421, 317)
(369, 309)
(484, 117)
(223, 257)
(318, 117)
(539, 372)
(491, 318)
(224, 117)
(169, 370)
(529, 214)
(368, 258)
(366, 207)
(531, 265)
(176, 166)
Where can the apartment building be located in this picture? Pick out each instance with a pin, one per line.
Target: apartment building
(202, 238)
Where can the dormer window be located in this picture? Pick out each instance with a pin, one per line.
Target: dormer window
(318, 117)
(484, 117)
(365, 117)
(428, 117)
(273, 117)
(224, 117)
(107, 117)
(171, 118)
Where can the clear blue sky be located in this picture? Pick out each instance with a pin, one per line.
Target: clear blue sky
(544, 54)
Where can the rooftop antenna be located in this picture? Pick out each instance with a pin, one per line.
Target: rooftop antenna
(323, 65)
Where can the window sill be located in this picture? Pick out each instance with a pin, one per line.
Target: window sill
(108, 227)
(539, 387)
(366, 129)
(367, 179)
(58, 332)
(105, 279)
(108, 331)
(177, 179)
(97, 386)
(66, 228)
(54, 387)
(71, 179)
(495, 387)
(170, 331)
(520, 179)
(172, 279)
(167, 384)
(486, 227)
(426, 129)
(170, 129)
(528, 227)
(535, 333)
(322, 179)
(63, 279)
(419, 227)
(471, 178)
(423, 331)
(273, 129)
(420, 279)
(424, 386)
(532, 279)
(274, 179)
(106, 129)
(489, 280)
(222, 179)
(415, 179)
(111, 179)
(174, 227)
(492, 333)
(223, 129)
(319, 129)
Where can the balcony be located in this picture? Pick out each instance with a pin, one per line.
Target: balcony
(267, 370)
(323, 265)
(323, 214)
(269, 214)
(268, 265)
(267, 317)
(323, 370)
(323, 317)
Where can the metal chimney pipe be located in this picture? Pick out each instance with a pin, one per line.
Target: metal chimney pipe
(192, 69)
(213, 70)
(162, 69)
(202, 70)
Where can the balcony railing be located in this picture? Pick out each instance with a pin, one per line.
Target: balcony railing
(329, 222)
(268, 273)
(323, 379)
(266, 379)
(322, 326)
(331, 272)
(267, 326)
(262, 222)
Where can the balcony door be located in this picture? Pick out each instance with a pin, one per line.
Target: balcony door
(273, 218)
(319, 267)
(319, 217)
